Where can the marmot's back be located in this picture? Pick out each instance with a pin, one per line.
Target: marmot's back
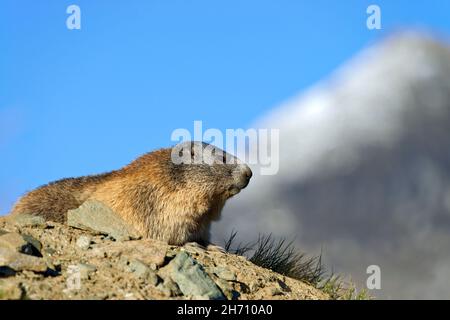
(53, 200)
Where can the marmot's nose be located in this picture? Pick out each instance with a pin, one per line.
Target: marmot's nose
(248, 173)
(243, 175)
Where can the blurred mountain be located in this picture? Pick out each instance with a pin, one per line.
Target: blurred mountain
(364, 170)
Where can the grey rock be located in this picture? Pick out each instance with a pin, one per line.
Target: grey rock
(84, 242)
(50, 251)
(255, 285)
(282, 286)
(85, 270)
(215, 248)
(152, 278)
(191, 278)
(20, 262)
(227, 289)
(139, 269)
(169, 288)
(165, 291)
(34, 245)
(12, 241)
(194, 248)
(275, 292)
(96, 217)
(52, 266)
(152, 253)
(21, 243)
(28, 220)
(223, 273)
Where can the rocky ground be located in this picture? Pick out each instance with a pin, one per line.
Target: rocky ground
(47, 260)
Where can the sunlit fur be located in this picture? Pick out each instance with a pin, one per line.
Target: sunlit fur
(162, 200)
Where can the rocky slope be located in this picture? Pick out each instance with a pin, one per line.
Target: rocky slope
(46, 260)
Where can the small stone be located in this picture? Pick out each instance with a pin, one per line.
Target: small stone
(282, 286)
(52, 269)
(129, 296)
(33, 241)
(102, 296)
(223, 273)
(169, 288)
(86, 270)
(227, 289)
(10, 290)
(254, 286)
(21, 243)
(274, 292)
(96, 217)
(19, 262)
(84, 242)
(50, 251)
(152, 278)
(106, 265)
(150, 252)
(165, 291)
(138, 268)
(13, 241)
(191, 278)
(28, 220)
(194, 247)
(215, 248)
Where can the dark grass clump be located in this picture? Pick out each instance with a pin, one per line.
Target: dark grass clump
(281, 256)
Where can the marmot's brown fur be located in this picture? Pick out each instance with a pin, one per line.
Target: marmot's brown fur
(162, 199)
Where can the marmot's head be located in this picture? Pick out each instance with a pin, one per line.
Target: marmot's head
(210, 169)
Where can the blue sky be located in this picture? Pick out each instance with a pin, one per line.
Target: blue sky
(77, 102)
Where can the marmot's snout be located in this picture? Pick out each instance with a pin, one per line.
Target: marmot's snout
(242, 175)
(246, 174)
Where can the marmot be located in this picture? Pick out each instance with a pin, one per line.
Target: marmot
(173, 201)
